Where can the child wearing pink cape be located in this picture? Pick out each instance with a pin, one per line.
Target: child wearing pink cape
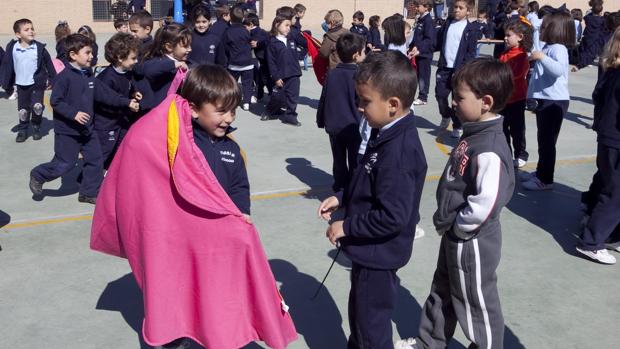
(167, 208)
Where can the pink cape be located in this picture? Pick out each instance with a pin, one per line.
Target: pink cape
(201, 267)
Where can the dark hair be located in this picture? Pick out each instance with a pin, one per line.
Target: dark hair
(359, 15)
(76, 42)
(597, 6)
(208, 83)
(545, 10)
(486, 76)
(468, 3)
(142, 18)
(533, 6)
(62, 30)
(276, 23)
(173, 34)
(518, 26)
(426, 3)
(286, 11)
(394, 28)
(119, 22)
(120, 46)
(251, 19)
(483, 11)
(577, 14)
(373, 21)
(558, 28)
(199, 11)
(88, 31)
(222, 11)
(17, 26)
(612, 21)
(390, 74)
(299, 8)
(236, 14)
(349, 44)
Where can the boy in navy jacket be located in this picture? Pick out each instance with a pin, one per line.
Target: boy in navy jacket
(222, 13)
(259, 40)
(381, 202)
(141, 25)
(424, 37)
(237, 44)
(296, 33)
(28, 66)
(358, 26)
(457, 41)
(338, 110)
(478, 181)
(73, 95)
(374, 35)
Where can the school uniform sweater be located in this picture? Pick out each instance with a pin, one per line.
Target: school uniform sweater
(424, 36)
(300, 41)
(382, 199)
(107, 117)
(360, 29)
(282, 60)
(375, 38)
(159, 73)
(466, 49)
(236, 42)
(339, 109)
(517, 59)
(606, 98)
(206, 49)
(261, 37)
(43, 74)
(219, 27)
(477, 182)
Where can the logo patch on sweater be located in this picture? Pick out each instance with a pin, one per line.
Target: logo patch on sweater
(459, 160)
(227, 156)
(371, 162)
(212, 49)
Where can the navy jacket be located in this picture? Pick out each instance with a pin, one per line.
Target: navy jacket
(424, 36)
(158, 72)
(300, 41)
(375, 38)
(606, 98)
(593, 38)
(107, 117)
(282, 60)
(487, 29)
(467, 46)
(145, 44)
(219, 27)
(261, 37)
(206, 48)
(45, 69)
(338, 105)
(382, 200)
(225, 160)
(236, 42)
(360, 29)
(77, 90)
(61, 52)
(95, 59)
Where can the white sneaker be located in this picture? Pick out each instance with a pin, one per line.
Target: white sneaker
(246, 106)
(535, 184)
(456, 133)
(253, 100)
(614, 246)
(419, 102)
(445, 122)
(13, 96)
(419, 232)
(518, 163)
(404, 343)
(601, 256)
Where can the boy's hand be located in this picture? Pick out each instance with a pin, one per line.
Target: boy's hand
(180, 65)
(134, 106)
(247, 218)
(413, 52)
(335, 232)
(280, 83)
(328, 206)
(82, 118)
(537, 55)
(253, 43)
(137, 96)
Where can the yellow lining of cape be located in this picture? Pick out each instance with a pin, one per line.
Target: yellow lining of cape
(173, 133)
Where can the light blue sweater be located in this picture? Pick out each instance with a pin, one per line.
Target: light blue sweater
(549, 79)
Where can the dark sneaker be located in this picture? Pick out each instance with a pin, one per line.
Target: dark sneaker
(36, 134)
(87, 199)
(36, 186)
(266, 117)
(292, 122)
(21, 137)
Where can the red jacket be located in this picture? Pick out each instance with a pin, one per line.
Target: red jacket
(516, 58)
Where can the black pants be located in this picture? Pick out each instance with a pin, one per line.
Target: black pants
(605, 215)
(66, 151)
(262, 78)
(371, 304)
(549, 117)
(514, 128)
(110, 140)
(443, 88)
(29, 106)
(247, 83)
(345, 146)
(424, 76)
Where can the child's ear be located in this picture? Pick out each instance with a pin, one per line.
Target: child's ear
(194, 110)
(148, 28)
(487, 103)
(394, 105)
(168, 47)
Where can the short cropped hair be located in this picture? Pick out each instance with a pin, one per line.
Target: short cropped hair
(486, 76)
(390, 74)
(299, 8)
(373, 21)
(426, 3)
(17, 26)
(120, 46)
(75, 42)
(577, 14)
(597, 6)
(236, 14)
(286, 11)
(142, 18)
(349, 44)
(558, 28)
(119, 22)
(468, 3)
(208, 83)
(251, 19)
(222, 11)
(359, 15)
(334, 17)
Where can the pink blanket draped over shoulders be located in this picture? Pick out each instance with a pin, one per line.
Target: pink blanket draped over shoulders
(202, 269)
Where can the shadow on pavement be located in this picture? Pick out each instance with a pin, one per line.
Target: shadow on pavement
(311, 102)
(318, 180)
(581, 99)
(579, 119)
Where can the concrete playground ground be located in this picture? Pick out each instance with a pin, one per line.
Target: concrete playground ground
(57, 293)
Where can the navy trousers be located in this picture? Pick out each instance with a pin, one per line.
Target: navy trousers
(345, 146)
(443, 88)
(247, 83)
(514, 128)
(372, 299)
(424, 76)
(549, 117)
(110, 140)
(29, 106)
(291, 92)
(66, 151)
(262, 79)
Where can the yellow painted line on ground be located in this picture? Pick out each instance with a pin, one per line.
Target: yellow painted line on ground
(442, 147)
(265, 196)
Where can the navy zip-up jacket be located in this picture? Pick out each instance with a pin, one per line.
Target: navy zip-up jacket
(282, 60)
(159, 73)
(467, 46)
(107, 117)
(261, 37)
(487, 29)
(300, 41)
(207, 48)
(236, 42)
(77, 90)
(339, 103)
(145, 44)
(219, 27)
(225, 160)
(375, 38)
(382, 201)
(45, 69)
(360, 29)
(424, 36)
(606, 98)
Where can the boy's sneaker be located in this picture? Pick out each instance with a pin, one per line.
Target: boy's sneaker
(36, 134)
(87, 199)
(36, 186)
(535, 184)
(614, 246)
(404, 344)
(419, 232)
(518, 163)
(21, 137)
(445, 122)
(601, 256)
(456, 133)
(419, 102)
(13, 96)
(253, 100)
(246, 106)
